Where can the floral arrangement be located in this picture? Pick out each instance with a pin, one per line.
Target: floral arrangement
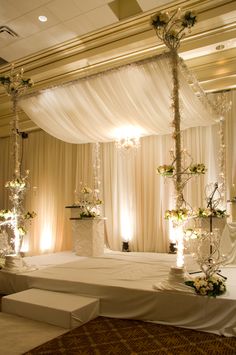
(178, 215)
(166, 170)
(86, 190)
(89, 203)
(15, 84)
(188, 19)
(16, 184)
(207, 212)
(171, 28)
(197, 169)
(212, 286)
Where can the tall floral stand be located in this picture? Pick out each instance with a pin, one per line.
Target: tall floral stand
(16, 218)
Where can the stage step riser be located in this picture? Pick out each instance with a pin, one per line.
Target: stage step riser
(61, 309)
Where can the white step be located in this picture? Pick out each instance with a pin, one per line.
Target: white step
(61, 309)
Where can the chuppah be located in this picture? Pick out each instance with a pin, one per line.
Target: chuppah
(135, 279)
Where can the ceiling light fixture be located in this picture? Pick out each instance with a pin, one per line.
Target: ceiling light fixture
(128, 137)
(42, 18)
(128, 143)
(220, 47)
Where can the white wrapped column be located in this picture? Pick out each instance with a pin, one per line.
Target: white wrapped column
(88, 236)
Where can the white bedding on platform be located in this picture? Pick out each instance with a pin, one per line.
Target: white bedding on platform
(124, 284)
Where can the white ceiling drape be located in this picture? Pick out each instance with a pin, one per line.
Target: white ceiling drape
(95, 108)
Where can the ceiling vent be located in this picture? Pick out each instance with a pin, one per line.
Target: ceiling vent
(7, 34)
(124, 9)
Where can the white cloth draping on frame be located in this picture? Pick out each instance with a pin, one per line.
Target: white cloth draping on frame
(93, 108)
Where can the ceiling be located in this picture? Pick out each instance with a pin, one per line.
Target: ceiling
(67, 19)
(82, 37)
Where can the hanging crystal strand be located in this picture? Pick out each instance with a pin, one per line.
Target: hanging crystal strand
(96, 172)
(15, 138)
(222, 165)
(15, 85)
(16, 198)
(222, 106)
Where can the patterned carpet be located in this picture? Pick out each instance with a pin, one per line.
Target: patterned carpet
(107, 336)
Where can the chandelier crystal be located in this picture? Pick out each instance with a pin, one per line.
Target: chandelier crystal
(128, 143)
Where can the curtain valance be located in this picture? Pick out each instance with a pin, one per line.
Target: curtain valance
(96, 108)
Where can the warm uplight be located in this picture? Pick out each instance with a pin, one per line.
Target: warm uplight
(126, 225)
(179, 236)
(42, 18)
(46, 239)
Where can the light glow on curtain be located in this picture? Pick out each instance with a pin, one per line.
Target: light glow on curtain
(46, 238)
(126, 224)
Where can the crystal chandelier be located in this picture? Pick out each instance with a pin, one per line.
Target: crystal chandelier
(128, 143)
(128, 137)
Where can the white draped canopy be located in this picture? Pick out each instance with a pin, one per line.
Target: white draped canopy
(96, 108)
(90, 110)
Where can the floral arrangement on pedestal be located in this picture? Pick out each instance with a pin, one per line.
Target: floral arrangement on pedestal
(16, 217)
(89, 202)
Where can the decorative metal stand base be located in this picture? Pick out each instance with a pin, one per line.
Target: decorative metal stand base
(172, 248)
(15, 263)
(175, 282)
(125, 246)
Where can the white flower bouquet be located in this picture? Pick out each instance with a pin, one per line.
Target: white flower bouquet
(197, 169)
(178, 215)
(165, 170)
(212, 286)
(89, 203)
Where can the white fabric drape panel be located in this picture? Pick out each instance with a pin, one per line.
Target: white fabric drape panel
(135, 198)
(93, 108)
(56, 169)
(51, 185)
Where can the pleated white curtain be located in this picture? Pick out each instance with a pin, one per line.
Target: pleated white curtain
(92, 109)
(135, 198)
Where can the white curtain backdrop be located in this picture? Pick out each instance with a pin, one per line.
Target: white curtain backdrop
(92, 109)
(135, 198)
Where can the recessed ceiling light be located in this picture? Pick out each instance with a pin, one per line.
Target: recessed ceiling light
(42, 18)
(220, 47)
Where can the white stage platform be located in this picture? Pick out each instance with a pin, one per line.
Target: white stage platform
(123, 282)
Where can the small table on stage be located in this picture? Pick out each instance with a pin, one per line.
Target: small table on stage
(87, 233)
